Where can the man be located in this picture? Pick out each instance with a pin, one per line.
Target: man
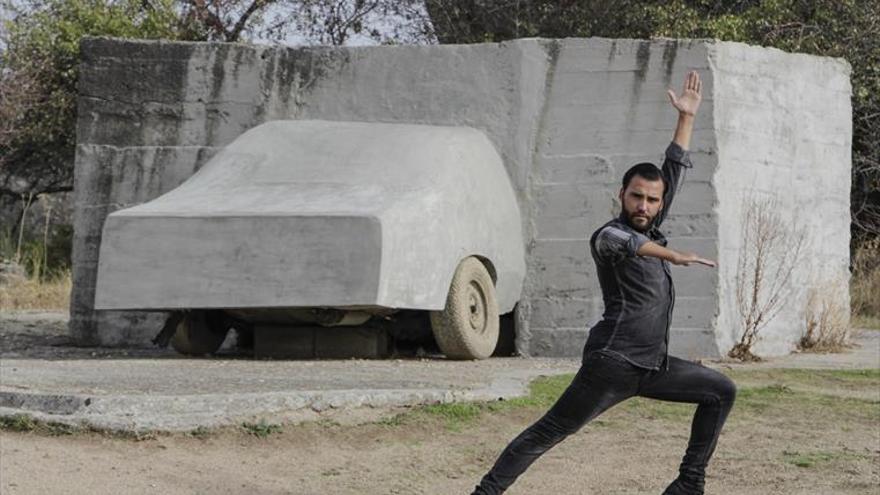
(626, 354)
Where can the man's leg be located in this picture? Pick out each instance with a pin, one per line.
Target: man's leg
(686, 381)
(601, 382)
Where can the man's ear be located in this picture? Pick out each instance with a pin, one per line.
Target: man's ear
(620, 196)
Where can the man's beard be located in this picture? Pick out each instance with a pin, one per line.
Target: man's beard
(647, 221)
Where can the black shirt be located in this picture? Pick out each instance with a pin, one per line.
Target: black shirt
(637, 290)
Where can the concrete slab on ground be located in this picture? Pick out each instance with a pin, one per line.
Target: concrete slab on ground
(44, 376)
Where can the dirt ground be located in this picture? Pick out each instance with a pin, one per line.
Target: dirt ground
(791, 432)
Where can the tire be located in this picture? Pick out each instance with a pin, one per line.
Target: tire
(468, 327)
(200, 333)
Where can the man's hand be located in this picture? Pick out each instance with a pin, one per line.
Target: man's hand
(688, 101)
(655, 250)
(685, 259)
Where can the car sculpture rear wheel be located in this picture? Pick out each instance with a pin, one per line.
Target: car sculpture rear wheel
(468, 327)
(200, 332)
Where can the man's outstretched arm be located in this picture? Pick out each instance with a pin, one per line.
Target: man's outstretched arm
(675, 257)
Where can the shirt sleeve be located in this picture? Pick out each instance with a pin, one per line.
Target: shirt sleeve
(614, 244)
(676, 162)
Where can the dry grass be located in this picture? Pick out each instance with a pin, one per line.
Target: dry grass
(27, 293)
(866, 322)
(827, 320)
(771, 248)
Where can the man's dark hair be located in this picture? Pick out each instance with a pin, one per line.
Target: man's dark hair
(645, 170)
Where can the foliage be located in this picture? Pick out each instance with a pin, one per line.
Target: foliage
(865, 284)
(335, 22)
(220, 20)
(262, 429)
(836, 28)
(40, 62)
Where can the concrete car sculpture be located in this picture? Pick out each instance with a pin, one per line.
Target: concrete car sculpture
(350, 219)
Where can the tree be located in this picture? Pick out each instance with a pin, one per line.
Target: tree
(337, 22)
(220, 20)
(38, 76)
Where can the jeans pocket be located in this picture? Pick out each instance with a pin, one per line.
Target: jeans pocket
(610, 368)
(603, 365)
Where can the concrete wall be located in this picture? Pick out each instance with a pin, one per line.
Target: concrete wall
(783, 125)
(568, 117)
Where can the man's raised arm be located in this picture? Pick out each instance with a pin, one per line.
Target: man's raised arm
(687, 104)
(677, 158)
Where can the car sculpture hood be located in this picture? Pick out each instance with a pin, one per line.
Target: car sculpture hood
(316, 213)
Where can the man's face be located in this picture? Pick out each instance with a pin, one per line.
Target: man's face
(642, 200)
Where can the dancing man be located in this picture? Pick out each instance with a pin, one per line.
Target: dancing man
(626, 354)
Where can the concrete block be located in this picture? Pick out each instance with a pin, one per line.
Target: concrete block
(569, 211)
(342, 342)
(565, 312)
(563, 268)
(562, 342)
(693, 343)
(694, 311)
(287, 342)
(690, 225)
(577, 169)
(283, 342)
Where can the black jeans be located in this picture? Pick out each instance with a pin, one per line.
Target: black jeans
(605, 380)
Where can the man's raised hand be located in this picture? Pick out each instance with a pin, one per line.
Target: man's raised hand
(689, 99)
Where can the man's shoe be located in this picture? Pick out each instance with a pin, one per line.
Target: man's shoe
(679, 487)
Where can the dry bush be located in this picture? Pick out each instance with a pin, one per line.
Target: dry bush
(865, 281)
(771, 248)
(827, 321)
(29, 293)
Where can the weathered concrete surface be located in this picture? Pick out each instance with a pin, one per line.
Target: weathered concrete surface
(177, 394)
(321, 214)
(783, 125)
(567, 117)
(44, 376)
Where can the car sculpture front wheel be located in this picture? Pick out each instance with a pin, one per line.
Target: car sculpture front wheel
(468, 326)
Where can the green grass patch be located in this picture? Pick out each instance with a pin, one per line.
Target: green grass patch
(760, 392)
(200, 432)
(261, 429)
(18, 422)
(775, 389)
(23, 423)
(779, 400)
(814, 459)
(655, 409)
(455, 411)
(816, 378)
(455, 416)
